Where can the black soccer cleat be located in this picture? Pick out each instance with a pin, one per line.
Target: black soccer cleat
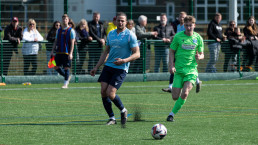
(170, 118)
(169, 90)
(111, 122)
(124, 117)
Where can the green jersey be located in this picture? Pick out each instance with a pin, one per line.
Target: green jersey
(185, 49)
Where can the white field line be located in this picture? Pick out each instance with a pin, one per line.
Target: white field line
(154, 86)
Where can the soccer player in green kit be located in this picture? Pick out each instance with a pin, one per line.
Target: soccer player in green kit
(186, 48)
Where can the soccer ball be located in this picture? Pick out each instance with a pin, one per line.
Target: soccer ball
(158, 131)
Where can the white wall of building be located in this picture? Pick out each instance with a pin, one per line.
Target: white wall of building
(78, 9)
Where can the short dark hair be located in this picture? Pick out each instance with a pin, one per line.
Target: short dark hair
(121, 14)
(96, 13)
(65, 15)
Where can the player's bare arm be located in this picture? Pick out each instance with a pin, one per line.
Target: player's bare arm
(135, 55)
(72, 47)
(171, 64)
(102, 59)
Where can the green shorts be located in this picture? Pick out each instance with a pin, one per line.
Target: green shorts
(184, 75)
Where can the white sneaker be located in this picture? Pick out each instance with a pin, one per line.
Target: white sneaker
(65, 86)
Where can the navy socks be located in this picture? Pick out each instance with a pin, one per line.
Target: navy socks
(117, 101)
(66, 74)
(61, 72)
(171, 78)
(108, 106)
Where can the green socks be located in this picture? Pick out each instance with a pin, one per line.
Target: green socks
(179, 103)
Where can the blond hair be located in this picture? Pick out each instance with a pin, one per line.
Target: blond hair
(31, 21)
(83, 21)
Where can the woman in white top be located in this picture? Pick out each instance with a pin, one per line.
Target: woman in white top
(30, 48)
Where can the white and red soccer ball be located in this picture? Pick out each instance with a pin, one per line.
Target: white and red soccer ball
(158, 131)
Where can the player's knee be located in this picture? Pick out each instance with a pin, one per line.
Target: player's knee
(175, 97)
(103, 93)
(184, 95)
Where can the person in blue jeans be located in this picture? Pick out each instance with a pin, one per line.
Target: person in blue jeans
(214, 32)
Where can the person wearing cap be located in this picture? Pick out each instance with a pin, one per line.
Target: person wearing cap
(111, 25)
(13, 33)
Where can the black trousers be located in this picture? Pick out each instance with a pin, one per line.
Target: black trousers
(27, 60)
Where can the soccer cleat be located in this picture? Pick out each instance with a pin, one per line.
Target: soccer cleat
(170, 118)
(169, 90)
(65, 87)
(111, 122)
(124, 117)
(198, 87)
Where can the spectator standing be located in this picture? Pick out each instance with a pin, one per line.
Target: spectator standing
(97, 32)
(141, 34)
(64, 45)
(235, 38)
(111, 25)
(130, 25)
(82, 33)
(166, 34)
(51, 36)
(13, 33)
(31, 47)
(251, 52)
(214, 33)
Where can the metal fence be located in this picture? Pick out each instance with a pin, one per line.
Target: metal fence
(154, 59)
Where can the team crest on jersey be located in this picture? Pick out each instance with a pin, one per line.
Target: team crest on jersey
(195, 41)
(183, 40)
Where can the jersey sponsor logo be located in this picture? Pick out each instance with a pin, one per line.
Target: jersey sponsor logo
(195, 41)
(188, 46)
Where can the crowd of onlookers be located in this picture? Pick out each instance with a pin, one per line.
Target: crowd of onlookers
(95, 30)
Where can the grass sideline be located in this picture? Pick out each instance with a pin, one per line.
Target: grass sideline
(224, 112)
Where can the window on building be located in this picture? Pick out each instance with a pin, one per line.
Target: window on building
(147, 2)
(205, 10)
(125, 2)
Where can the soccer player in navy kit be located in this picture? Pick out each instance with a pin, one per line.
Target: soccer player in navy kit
(64, 45)
(121, 49)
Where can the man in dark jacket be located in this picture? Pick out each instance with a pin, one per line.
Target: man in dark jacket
(166, 34)
(214, 32)
(13, 33)
(97, 32)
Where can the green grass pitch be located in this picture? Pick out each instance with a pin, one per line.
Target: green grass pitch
(224, 112)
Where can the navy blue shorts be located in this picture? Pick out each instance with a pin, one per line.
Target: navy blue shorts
(112, 76)
(62, 60)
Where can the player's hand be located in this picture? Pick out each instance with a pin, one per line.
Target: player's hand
(70, 57)
(93, 71)
(119, 61)
(19, 41)
(90, 38)
(172, 70)
(197, 56)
